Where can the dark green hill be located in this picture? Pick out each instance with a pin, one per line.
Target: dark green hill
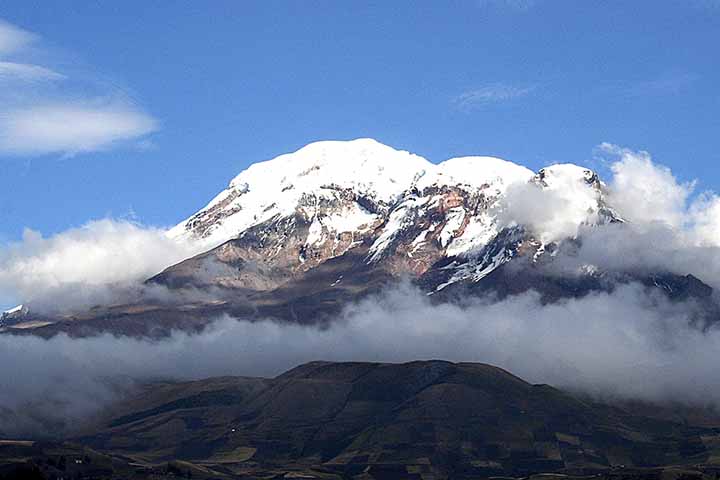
(430, 419)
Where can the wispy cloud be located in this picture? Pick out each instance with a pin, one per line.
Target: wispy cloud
(43, 111)
(70, 129)
(81, 266)
(490, 94)
(665, 84)
(13, 38)
(11, 71)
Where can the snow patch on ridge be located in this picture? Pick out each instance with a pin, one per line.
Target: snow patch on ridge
(478, 232)
(400, 218)
(13, 310)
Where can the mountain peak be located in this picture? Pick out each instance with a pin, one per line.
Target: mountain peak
(309, 180)
(332, 161)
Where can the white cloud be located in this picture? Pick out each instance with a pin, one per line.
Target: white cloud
(70, 129)
(644, 191)
(648, 193)
(490, 94)
(704, 214)
(81, 266)
(37, 118)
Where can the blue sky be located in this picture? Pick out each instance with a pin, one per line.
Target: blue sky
(194, 92)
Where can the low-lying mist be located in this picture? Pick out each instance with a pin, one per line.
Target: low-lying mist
(629, 344)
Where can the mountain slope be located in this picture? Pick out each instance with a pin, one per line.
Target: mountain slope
(451, 420)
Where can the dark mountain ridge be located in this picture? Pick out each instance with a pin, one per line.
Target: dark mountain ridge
(418, 420)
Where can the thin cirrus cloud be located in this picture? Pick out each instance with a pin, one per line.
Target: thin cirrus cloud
(13, 38)
(11, 71)
(489, 95)
(43, 111)
(70, 129)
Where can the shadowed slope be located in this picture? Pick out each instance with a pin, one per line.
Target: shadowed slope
(461, 420)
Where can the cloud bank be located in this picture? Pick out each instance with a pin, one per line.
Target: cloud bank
(83, 266)
(43, 111)
(621, 345)
(669, 227)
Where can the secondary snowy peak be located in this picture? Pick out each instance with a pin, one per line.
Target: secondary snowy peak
(578, 196)
(567, 176)
(560, 198)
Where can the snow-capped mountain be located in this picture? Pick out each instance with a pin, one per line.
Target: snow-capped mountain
(354, 187)
(301, 236)
(291, 214)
